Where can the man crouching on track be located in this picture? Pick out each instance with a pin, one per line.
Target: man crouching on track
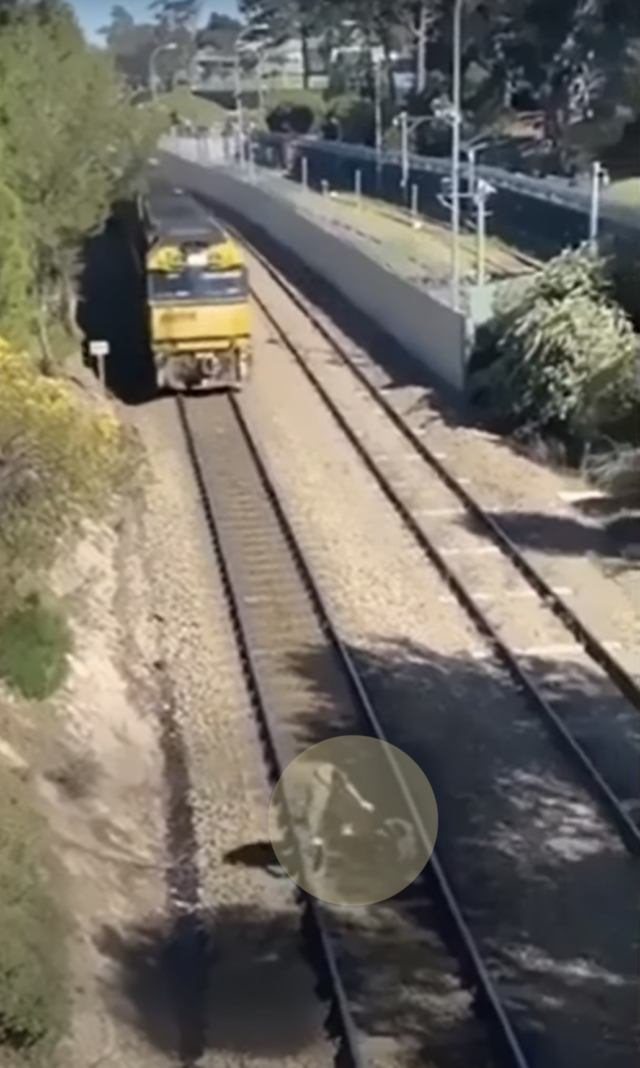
(345, 847)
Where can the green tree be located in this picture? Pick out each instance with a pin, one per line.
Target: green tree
(130, 44)
(17, 274)
(220, 33)
(70, 138)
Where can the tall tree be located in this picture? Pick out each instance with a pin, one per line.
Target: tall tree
(177, 21)
(68, 139)
(220, 33)
(295, 19)
(131, 44)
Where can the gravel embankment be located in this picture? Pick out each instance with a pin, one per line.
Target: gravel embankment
(603, 721)
(100, 781)
(548, 890)
(570, 550)
(261, 1002)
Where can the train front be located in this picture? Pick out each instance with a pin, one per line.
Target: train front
(200, 315)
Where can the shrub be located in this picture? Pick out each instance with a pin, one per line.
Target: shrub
(35, 642)
(354, 117)
(17, 275)
(294, 111)
(618, 473)
(625, 276)
(290, 118)
(560, 354)
(59, 461)
(33, 987)
(70, 142)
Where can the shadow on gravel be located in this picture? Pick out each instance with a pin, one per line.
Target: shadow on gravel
(565, 535)
(112, 309)
(545, 887)
(256, 991)
(543, 880)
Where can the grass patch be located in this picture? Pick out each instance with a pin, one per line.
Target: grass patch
(431, 243)
(625, 192)
(35, 642)
(33, 969)
(193, 108)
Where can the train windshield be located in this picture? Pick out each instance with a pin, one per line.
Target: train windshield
(198, 285)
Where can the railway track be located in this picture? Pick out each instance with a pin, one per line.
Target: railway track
(617, 791)
(276, 610)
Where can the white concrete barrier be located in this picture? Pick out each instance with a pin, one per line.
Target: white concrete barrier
(426, 328)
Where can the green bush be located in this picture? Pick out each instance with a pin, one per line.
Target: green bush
(33, 975)
(70, 142)
(35, 642)
(559, 354)
(354, 118)
(625, 273)
(618, 473)
(290, 118)
(294, 111)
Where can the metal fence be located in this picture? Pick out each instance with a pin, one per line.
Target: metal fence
(540, 216)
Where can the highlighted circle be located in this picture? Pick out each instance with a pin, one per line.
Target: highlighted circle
(342, 826)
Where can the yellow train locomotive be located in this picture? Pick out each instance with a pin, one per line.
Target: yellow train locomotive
(200, 321)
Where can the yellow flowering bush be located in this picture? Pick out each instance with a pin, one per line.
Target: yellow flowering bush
(59, 461)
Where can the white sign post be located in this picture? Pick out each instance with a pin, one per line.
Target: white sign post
(100, 350)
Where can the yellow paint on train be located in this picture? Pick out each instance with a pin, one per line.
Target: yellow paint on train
(191, 328)
(200, 319)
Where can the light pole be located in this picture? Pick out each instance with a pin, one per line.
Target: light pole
(455, 155)
(244, 33)
(377, 88)
(599, 177)
(404, 148)
(403, 122)
(377, 103)
(171, 46)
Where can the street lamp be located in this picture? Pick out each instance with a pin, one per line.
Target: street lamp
(599, 178)
(377, 103)
(377, 86)
(171, 46)
(260, 27)
(455, 155)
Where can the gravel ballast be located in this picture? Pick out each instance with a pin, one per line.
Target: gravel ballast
(548, 889)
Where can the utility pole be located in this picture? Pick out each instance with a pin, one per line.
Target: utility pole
(599, 177)
(237, 70)
(421, 46)
(404, 149)
(171, 46)
(377, 94)
(455, 154)
(481, 195)
(471, 171)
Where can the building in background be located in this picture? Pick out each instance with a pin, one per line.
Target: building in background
(283, 66)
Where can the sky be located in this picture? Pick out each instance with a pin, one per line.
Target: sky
(94, 14)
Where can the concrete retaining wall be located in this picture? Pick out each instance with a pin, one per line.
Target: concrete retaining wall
(428, 330)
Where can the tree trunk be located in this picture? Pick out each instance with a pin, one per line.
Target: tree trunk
(421, 48)
(306, 59)
(69, 301)
(46, 355)
(388, 66)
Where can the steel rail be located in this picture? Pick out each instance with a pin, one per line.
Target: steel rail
(486, 991)
(609, 802)
(623, 680)
(340, 1006)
